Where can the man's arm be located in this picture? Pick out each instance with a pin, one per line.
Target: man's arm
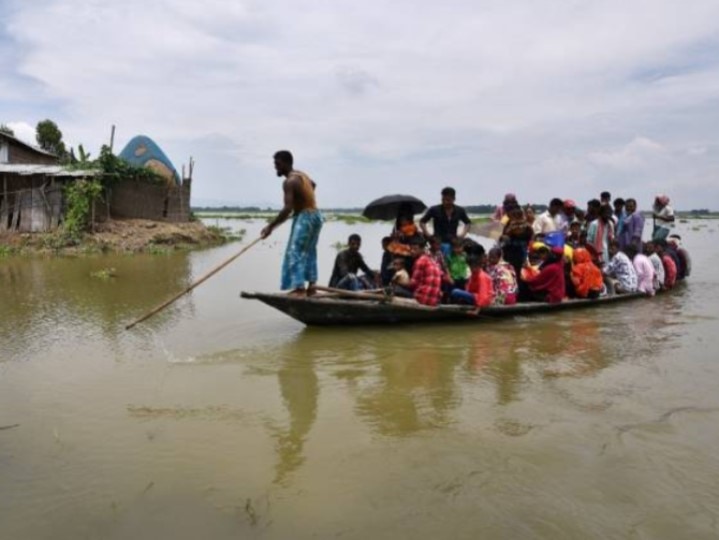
(464, 218)
(425, 219)
(363, 266)
(289, 198)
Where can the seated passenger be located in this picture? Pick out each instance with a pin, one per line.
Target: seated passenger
(426, 281)
(586, 276)
(400, 281)
(679, 255)
(659, 275)
(644, 269)
(548, 284)
(348, 263)
(620, 270)
(504, 279)
(457, 265)
(479, 290)
(402, 236)
(670, 267)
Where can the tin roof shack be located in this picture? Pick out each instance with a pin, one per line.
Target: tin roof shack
(31, 196)
(15, 151)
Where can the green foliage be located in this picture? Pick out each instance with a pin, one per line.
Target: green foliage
(80, 197)
(115, 168)
(49, 138)
(226, 234)
(6, 251)
(155, 249)
(4, 128)
(104, 274)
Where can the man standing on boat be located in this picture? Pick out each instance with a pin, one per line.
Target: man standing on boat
(445, 219)
(300, 263)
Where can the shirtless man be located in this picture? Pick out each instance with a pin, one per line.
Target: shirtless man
(300, 262)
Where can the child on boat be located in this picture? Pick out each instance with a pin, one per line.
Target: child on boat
(400, 280)
(457, 265)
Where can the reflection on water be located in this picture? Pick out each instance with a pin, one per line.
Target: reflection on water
(299, 387)
(224, 418)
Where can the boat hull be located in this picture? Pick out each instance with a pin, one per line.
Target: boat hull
(325, 310)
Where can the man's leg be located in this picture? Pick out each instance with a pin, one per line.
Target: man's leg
(349, 283)
(289, 279)
(315, 226)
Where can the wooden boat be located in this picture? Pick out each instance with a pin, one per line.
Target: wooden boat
(346, 309)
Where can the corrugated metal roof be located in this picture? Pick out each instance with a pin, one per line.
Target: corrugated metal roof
(26, 144)
(47, 170)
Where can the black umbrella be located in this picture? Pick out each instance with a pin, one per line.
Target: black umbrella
(390, 206)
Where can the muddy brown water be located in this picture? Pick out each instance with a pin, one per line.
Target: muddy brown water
(222, 418)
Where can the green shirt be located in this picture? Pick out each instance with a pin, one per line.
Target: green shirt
(458, 267)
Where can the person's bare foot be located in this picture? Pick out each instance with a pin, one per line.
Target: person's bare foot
(311, 290)
(297, 293)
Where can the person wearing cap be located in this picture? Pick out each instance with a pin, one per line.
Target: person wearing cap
(567, 215)
(663, 215)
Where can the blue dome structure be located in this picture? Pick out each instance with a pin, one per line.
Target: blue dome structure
(142, 151)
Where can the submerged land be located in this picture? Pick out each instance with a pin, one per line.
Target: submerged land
(119, 236)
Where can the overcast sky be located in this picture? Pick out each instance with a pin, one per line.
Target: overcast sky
(543, 98)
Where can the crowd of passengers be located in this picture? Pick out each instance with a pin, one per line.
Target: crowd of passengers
(564, 252)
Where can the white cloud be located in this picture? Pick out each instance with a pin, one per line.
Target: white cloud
(23, 131)
(640, 152)
(372, 96)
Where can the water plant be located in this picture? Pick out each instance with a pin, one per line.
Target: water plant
(105, 274)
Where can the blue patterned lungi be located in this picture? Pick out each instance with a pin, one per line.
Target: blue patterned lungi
(300, 263)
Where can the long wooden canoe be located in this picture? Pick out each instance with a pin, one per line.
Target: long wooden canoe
(327, 310)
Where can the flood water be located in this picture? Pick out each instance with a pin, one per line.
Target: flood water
(222, 418)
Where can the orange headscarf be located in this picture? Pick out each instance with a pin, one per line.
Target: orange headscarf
(586, 276)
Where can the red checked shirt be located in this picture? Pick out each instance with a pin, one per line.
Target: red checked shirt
(426, 281)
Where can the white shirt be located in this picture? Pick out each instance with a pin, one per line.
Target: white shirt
(665, 212)
(545, 223)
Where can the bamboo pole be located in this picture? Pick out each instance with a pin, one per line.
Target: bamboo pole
(204, 278)
(354, 294)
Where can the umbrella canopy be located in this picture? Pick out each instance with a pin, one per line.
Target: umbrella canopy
(389, 207)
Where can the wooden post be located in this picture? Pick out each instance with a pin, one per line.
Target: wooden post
(5, 206)
(112, 137)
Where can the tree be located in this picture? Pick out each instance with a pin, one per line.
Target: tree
(4, 128)
(49, 138)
